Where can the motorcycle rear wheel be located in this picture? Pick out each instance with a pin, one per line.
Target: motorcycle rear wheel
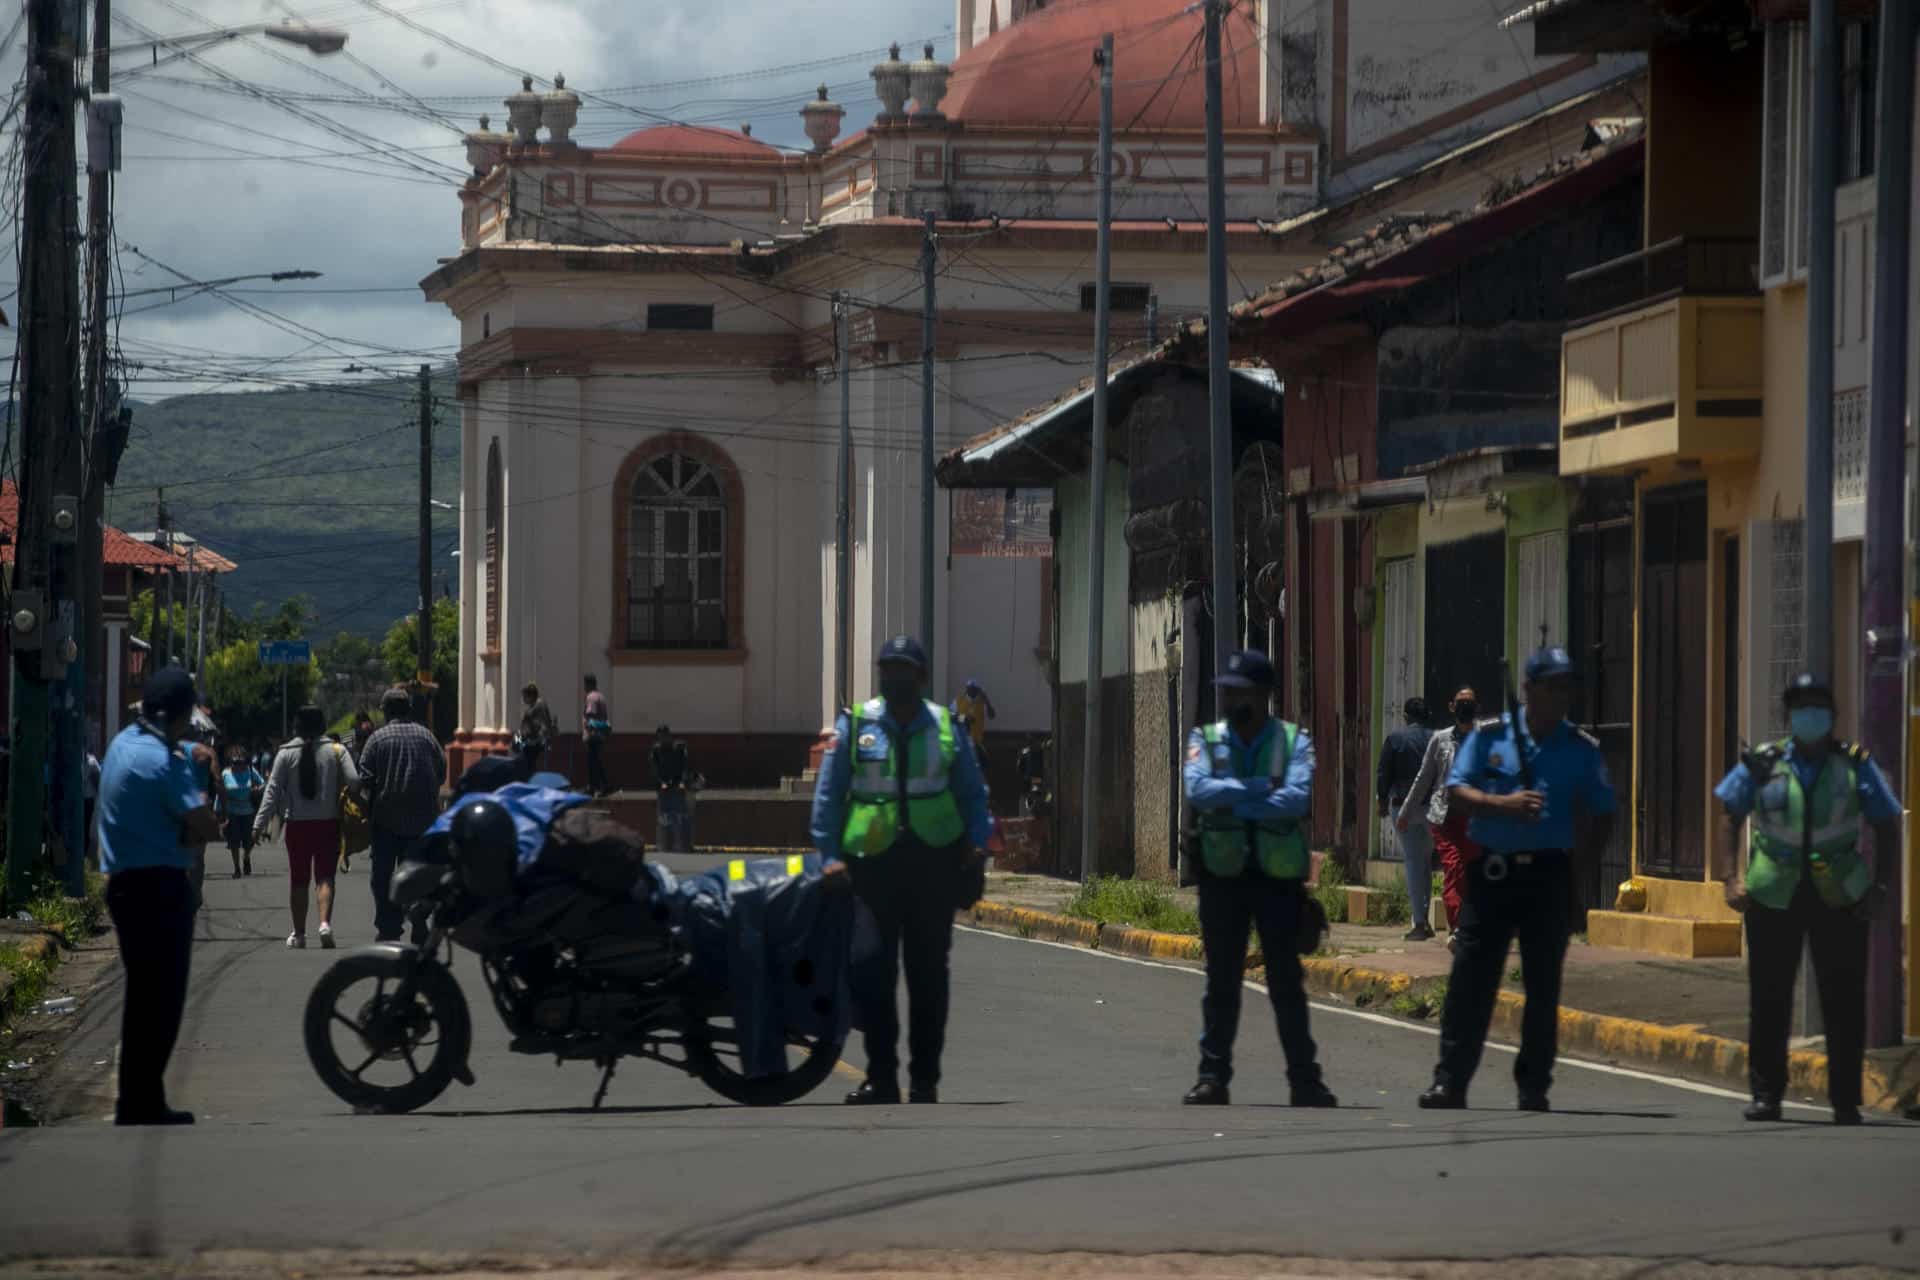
(719, 1070)
(435, 1026)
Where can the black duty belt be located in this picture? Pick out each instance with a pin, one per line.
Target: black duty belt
(1498, 864)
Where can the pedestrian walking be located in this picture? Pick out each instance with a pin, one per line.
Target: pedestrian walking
(1249, 781)
(1448, 824)
(1401, 756)
(1528, 782)
(1805, 882)
(241, 787)
(537, 727)
(596, 726)
(901, 808)
(206, 769)
(152, 811)
(362, 730)
(975, 708)
(304, 792)
(405, 768)
(672, 772)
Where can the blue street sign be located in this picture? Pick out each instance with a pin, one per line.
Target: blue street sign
(285, 653)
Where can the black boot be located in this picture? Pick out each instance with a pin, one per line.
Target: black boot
(160, 1115)
(1763, 1107)
(1207, 1093)
(872, 1093)
(926, 1094)
(1312, 1095)
(1847, 1116)
(1534, 1100)
(1443, 1098)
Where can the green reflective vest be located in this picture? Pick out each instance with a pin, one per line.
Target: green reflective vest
(1820, 831)
(1226, 841)
(882, 783)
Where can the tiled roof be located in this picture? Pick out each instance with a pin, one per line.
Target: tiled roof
(694, 140)
(118, 550)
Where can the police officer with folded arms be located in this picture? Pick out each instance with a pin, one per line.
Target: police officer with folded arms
(1805, 879)
(901, 808)
(1249, 781)
(1524, 778)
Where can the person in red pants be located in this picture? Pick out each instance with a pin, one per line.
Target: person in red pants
(1451, 846)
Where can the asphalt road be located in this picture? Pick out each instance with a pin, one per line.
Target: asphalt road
(1062, 1130)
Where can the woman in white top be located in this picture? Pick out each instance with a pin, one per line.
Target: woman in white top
(1429, 793)
(304, 792)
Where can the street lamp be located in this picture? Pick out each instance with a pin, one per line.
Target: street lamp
(319, 41)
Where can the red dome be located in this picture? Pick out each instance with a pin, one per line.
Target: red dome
(1033, 72)
(691, 140)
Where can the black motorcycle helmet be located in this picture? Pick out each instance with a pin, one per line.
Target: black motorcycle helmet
(485, 848)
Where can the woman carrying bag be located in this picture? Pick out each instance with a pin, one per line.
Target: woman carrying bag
(310, 778)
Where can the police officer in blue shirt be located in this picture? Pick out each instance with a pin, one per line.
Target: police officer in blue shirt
(1806, 879)
(1524, 782)
(901, 809)
(154, 812)
(1249, 780)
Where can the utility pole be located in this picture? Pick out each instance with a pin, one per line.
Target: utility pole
(842, 515)
(41, 597)
(103, 443)
(1219, 388)
(1090, 773)
(424, 660)
(1882, 700)
(1822, 174)
(928, 250)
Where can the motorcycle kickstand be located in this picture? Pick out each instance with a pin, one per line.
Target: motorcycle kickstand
(606, 1078)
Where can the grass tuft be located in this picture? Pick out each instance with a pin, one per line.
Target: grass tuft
(1138, 904)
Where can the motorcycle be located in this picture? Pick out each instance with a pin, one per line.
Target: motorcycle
(575, 971)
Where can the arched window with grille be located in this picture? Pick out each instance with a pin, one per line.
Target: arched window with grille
(679, 507)
(494, 512)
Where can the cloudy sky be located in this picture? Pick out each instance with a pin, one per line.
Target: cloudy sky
(258, 157)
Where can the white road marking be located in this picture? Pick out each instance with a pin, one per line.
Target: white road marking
(1672, 1082)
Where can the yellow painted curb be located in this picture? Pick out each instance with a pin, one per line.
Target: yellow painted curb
(1681, 1049)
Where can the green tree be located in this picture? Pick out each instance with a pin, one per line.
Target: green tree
(347, 654)
(245, 694)
(400, 651)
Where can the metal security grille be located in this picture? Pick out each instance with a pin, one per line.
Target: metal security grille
(494, 504)
(1789, 629)
(676, 557)
(1850, 446)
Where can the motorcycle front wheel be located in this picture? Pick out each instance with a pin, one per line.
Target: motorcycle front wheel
(713, 1055)
(377, 1050)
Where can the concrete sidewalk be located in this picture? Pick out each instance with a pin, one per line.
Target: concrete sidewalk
(1687, 1016)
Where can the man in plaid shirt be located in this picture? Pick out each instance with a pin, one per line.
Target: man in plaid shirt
(404, 769)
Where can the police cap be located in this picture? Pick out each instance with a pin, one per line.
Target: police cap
(1247, 669)
(1807, 687)
(904, 650)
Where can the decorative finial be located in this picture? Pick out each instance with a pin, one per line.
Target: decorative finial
(893, 50)
(823, 93)
(928, 50)
(526, 84)
(559, 80)
(746, 128)
(485, 122)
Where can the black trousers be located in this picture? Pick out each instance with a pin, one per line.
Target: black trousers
(596, 764)
(152, 910)
(1229, 910)
(1839, 945)
(908, 895)
(1534, 903)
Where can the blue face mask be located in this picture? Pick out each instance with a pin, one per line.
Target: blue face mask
(1811, 724)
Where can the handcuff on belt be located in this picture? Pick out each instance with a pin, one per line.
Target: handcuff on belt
(1497, 865)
